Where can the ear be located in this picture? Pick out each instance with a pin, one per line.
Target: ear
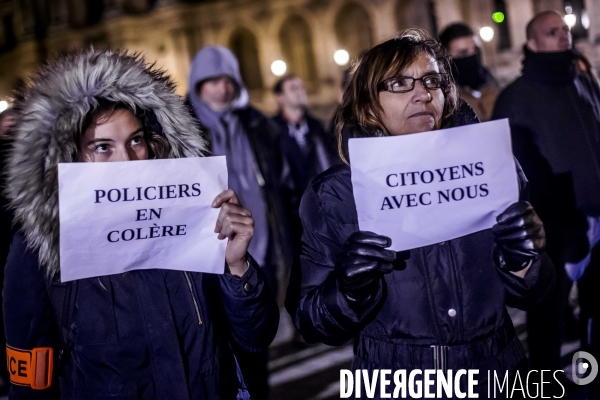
(531, 45)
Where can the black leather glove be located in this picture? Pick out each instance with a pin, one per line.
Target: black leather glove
(362, 265)
(519, 236)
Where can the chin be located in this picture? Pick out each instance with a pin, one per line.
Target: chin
(424, 127)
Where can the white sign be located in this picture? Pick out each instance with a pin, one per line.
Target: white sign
(429, 187)
(122, 216)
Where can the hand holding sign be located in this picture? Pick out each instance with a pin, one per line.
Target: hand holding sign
(117, 217)
(519, 236)
(363, 264)
(434, 186)
(236, 224)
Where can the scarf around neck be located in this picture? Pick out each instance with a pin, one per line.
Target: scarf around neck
(555, 68)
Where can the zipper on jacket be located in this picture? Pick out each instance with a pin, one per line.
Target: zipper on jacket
(189, 282)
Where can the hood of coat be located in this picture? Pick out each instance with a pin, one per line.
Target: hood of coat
(53, 107)
(213, 61)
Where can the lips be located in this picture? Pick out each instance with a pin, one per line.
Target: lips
(421, 114)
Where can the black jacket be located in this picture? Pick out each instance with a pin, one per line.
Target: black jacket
(450, 293)
(319, 154)
(148, 334)
(554, 115)
(306, 163)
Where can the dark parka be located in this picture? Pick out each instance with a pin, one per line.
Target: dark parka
(449, 294)
(148, 334)
(554, 115)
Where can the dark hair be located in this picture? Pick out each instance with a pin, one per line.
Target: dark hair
(361, 106)
(158, 145)
(278, 87)
(345, 78)
(455, 31)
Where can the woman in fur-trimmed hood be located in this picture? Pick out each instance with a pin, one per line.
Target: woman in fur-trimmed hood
(144, 334)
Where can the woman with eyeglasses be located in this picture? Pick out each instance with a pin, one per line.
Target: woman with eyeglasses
(437, 307)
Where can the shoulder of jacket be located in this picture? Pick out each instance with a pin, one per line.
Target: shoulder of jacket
(465, 115)
(331, 180)
(514, 88)
(252, 116)
(512, 96)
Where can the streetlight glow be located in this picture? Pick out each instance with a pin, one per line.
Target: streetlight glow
(341, 57)
(486, 33)
(585, 19)
(3, 105)
(570, 20)
(278, 67)
(498, 17)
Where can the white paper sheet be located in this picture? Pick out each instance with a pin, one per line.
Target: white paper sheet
(464, 178)
(103, 231)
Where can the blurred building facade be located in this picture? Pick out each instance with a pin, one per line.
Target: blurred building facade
(303, 33)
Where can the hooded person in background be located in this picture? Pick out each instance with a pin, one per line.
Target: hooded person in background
(476, 85)
(144, 334)
(554, 114)
(257, 171)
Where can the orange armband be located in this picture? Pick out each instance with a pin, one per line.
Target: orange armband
(30, 367)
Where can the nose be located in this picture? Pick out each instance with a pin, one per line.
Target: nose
(122, 154)
(223, 84)
(421, 93)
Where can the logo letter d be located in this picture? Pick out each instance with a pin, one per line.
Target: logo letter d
(575, 367)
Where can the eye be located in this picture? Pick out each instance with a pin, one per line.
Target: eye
(137, 140)
(400, 84)
(435, 81)
(101, 148)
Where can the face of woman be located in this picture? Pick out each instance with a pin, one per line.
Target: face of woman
(119, 137)
(419, 110)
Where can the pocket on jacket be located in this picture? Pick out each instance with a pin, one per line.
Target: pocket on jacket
(94, 320)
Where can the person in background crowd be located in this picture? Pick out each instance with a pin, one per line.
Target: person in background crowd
(554, 113)
(403, 308)
(476, 85)
(258, 172)
(7, 121)
(311, 147)
(143, 334)
(306, 146)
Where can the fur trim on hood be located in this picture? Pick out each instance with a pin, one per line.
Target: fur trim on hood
(53, 109)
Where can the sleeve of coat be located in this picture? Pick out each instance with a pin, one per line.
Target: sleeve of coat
(524, 292)
(250, 307)
(314, 301)
(28, 317)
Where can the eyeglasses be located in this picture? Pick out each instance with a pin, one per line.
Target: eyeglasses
(403, 84)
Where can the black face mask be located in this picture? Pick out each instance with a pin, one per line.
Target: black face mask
(469, 71)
